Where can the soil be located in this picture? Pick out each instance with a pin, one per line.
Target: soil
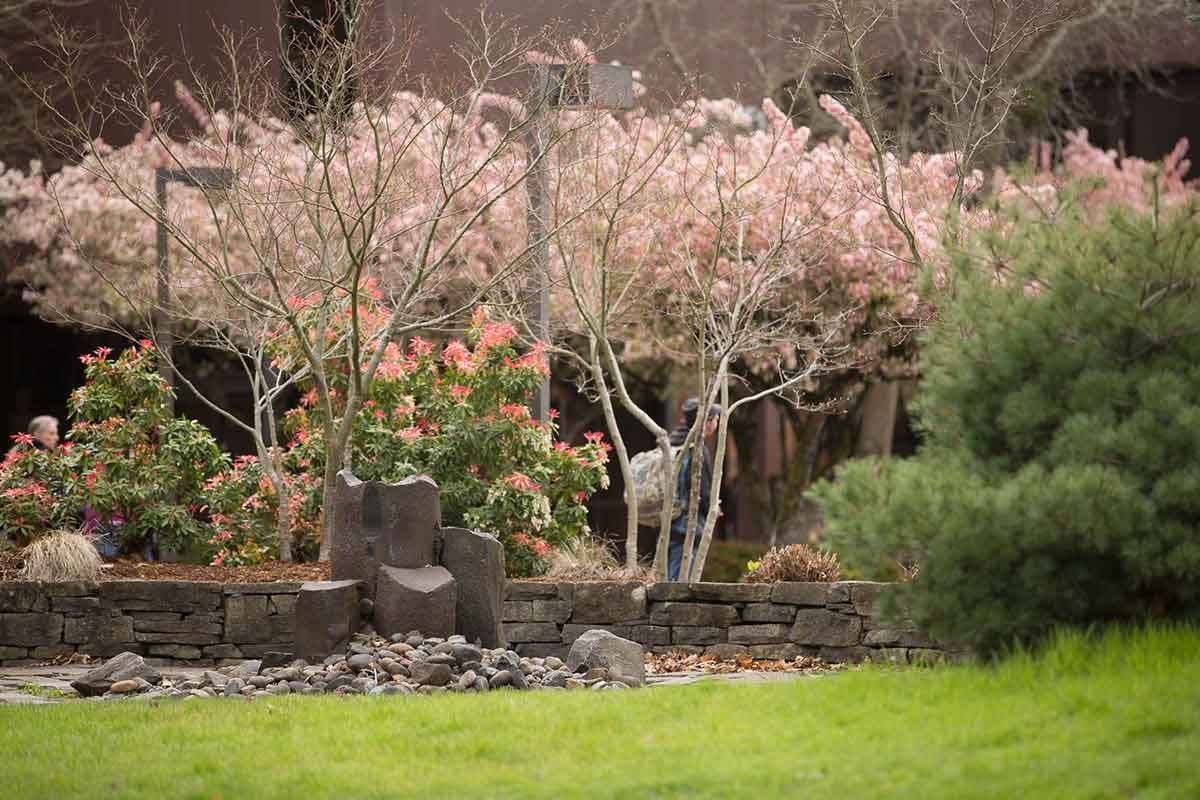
(10, 565)
(268, 572)
(124, 570)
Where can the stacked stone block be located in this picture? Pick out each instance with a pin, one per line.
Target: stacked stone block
(166, 621)
(834, 621)
(176, 622)
(415, 574)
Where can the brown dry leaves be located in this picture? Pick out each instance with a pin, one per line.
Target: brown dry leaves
(10, 565)
(678, 661)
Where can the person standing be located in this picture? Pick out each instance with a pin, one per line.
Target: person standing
(683, 493)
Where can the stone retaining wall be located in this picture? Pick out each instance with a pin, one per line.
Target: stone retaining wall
(184, 622)
(166, 621)
(834, 621)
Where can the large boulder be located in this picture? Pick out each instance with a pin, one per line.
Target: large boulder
(476, 560)
(621, 657)
(121, 667)
(382, 523)
(422, 599)
(326, 617)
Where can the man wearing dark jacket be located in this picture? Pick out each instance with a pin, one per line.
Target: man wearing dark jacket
(691, 408)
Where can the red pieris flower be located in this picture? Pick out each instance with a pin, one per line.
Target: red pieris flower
(522, 482)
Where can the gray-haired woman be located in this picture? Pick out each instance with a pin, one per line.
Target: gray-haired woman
(43, 434)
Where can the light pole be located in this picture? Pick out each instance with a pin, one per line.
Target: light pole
(558, 86)
(201, 178)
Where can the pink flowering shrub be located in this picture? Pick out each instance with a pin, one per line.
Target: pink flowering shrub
(127, 462)
(1097, 180)
(458, 413)
(244, 510)
(31, 481)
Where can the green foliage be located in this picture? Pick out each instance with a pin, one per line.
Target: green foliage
(48, 692)
(1060, 480)
(33, 485)
(727, 559)
(127, 460)
(461, 416)
(243, 505)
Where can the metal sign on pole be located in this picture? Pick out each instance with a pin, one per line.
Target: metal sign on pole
(200, 178)
(558, 86)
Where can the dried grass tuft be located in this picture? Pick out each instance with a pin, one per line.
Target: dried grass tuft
(61, 556)
(795, 562)
(590, 558)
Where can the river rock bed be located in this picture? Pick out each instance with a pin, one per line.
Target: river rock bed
(404, 664)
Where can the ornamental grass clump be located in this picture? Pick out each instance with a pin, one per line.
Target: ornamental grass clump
(795, 562)
(590, 557)
(61, 556)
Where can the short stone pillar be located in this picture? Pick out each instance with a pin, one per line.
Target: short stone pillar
(382, 523)
(415, 600)
(419, 577)
(476, 560)
(326, 617)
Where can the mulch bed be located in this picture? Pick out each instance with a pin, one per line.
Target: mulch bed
(125, 570)
(10, 565)
(269, 572)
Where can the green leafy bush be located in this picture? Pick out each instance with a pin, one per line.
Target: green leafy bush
(243, 505)
(33, 491)
(1059, 482)
(727, 559)
(126, 461)
(459, 414)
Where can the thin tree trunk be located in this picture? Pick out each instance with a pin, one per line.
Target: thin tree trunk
(333, 464)
(664, 446)
(283, 518)
(669, 476)
(610, 419)
(698, 446)
(694, 481)
(714, 509)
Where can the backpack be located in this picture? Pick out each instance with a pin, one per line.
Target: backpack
(646, 475)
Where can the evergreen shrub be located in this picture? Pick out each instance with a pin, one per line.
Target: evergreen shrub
(1059, 480)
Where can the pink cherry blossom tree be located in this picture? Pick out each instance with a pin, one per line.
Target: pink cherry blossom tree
(395, 194)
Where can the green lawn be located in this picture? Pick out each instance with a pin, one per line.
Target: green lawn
(1117, 718)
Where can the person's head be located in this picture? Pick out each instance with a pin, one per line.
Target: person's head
(44, 430)
(691, 407)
